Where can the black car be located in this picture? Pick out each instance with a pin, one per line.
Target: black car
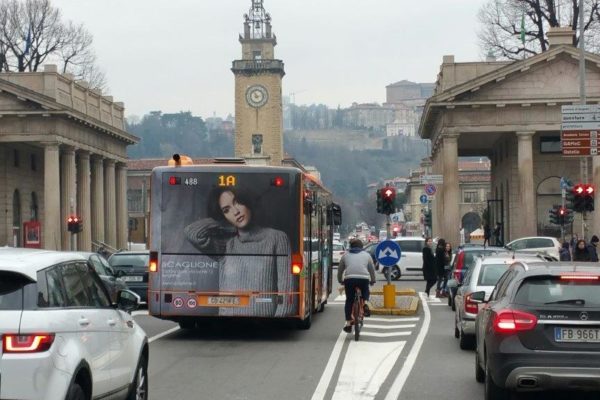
(109, 277)
(132, 267)
(540, 330)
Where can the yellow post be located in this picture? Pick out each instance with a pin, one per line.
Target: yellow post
(389, 296)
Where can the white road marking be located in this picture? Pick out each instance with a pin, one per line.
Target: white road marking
(365, 368)
(140, 312)
(321, 389)
(163, 334)
(367, 325)
(400, 380)
(438, 304)
(340, 298)
(392, 319)
(385, 334)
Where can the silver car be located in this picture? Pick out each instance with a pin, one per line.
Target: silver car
(482, 277)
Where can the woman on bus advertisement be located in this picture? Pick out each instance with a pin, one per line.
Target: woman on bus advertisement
(251, 257)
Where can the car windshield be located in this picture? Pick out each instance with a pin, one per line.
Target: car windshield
(557, 291)
(129, 260)
(490, 274)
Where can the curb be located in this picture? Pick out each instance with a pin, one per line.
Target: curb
(410, 310)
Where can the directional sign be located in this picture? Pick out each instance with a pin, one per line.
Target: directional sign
(432, 179)
(423, 199)
(388, 253)
(581, 109)
(579, 131)
(430, 189)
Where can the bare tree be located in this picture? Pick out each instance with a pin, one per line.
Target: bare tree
(33, 32)
(513, 29)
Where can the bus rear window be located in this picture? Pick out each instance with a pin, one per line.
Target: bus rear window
(557, 291)
(12, 289)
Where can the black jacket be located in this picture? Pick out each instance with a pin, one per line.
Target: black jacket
(429, 269)
(582, 255)
(440, 260)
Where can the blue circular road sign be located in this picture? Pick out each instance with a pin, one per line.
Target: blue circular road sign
(423, 199)
(388, 253)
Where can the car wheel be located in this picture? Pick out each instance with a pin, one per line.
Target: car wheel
(479, 372)
(467, 342)
(139, 386)
(75, 393)
(456, 331)
(493, 391)
(395, 273)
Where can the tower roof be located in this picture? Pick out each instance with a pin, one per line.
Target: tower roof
(257, 23)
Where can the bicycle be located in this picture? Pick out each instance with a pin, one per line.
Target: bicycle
(357, 312)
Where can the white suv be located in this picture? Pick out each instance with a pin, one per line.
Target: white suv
(61, 336)
(549, 245)
(411, 259)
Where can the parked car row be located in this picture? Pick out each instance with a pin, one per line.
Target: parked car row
(534, 322)
(63, 337)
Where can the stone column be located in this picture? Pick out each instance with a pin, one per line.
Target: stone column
(110, 204)
(122, 214)
(526, 216)
(451, 194)
(84, 201)
(97, 194)
(68, 190)
(51, 239)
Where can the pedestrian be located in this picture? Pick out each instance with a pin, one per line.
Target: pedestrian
(573, 243)
(565, 253)
(593, 248)
(498, 234)
(581, 252)
(440, 261)
(447, 261)
(429, 273)
(487, 234)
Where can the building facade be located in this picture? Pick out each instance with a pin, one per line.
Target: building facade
(510, 112)
(258, 92)
(62, 152)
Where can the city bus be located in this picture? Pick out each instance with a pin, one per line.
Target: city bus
(231, 240)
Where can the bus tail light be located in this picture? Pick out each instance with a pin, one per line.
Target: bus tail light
(297, 263)
(30, 343)
(153, 267)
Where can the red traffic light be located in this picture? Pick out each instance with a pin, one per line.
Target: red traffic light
(562, 211)
(579, 189)
(589, 190)
(388, 193)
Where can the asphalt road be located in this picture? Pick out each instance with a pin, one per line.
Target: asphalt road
(396, 358)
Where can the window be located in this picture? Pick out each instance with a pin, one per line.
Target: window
(53, 293)
(539, 242)
(257, 55)
(570, 293)
(490, 273)
(501, 285)
(94, 288)
(518, 244)
(413, 246)
(98, 266)
(16, 158)
(33, 163)
(550, 144)
(471, 196)
(12, 287)
(74, 289)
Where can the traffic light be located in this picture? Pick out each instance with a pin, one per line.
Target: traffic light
(554, 217)
(74, 224)
(388, 195)
(584, 197)
(562, 215)
(427, 215)
(588, 198)
(379, 202)
(569, 197)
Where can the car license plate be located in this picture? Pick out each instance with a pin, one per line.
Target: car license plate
(577, 335)
(128, 278)
(223, 301)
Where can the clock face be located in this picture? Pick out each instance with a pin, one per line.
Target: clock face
(257, 96)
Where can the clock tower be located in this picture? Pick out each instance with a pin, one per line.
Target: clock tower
(258, 101)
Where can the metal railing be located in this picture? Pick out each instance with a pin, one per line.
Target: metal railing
(257, 65)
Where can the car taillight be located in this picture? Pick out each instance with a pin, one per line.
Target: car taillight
(297, 263)
(31, 343)
(153, 267)
(512, 321)
(460, 262)
(470, 307)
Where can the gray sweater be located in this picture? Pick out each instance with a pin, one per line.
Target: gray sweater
(257, 260)
(356, 265)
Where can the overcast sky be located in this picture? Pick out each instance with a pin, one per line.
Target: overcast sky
(174, 55)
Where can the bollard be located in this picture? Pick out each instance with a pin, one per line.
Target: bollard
(389, 296)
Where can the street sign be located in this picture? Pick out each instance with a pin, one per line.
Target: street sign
(423, 199)
(573, 135)
(388, 253)
(581, 151)
(579, 132)
(430, 189)
(432, 179)
(581, 109)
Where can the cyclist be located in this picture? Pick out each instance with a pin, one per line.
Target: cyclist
(356, 269)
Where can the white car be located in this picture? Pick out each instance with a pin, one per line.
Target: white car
(61, 336)
(338, 252)
(411, 259)
(549, 245)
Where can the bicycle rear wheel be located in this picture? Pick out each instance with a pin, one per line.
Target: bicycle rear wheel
(356, 315)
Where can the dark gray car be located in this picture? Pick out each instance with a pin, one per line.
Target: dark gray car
(540, 330)
(132, 267)
(109, 277)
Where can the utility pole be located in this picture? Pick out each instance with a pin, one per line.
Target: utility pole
(583, 164)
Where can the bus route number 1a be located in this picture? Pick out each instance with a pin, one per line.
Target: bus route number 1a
(228, 180)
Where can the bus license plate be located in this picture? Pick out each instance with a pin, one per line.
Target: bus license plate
(577, 335)
(128, 278)
(223, 301)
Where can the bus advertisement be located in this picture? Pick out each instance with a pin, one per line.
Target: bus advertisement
(228, 241)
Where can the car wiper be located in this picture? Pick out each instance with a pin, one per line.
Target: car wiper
(578, 302)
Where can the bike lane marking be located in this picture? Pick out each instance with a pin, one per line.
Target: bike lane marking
(400, 380)
(321, 389)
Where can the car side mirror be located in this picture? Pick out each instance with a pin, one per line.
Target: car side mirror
(120, 273)
(478, 297)
(128, 301)
(111, 271)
